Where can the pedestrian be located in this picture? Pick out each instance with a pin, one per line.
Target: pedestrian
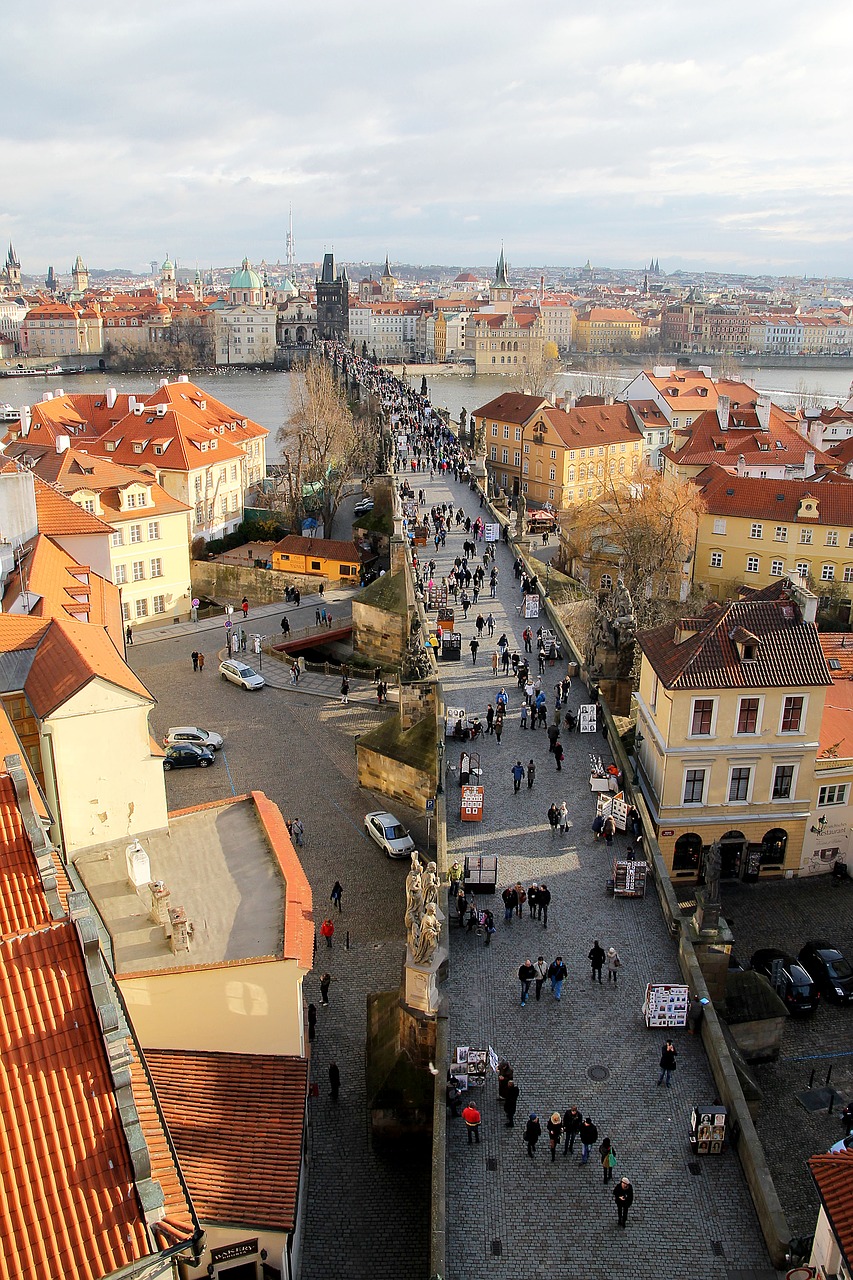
(614, 964)
(344, 691)
(558, 755)
(312, 1021)
(511, 1103)
(588, 1134)
(541, 974)
(695, 1014)
(325, 982)
(609, 830)
(487, 920)
(490, 719)
(194, 656)
(608, 1159)
(490, 625)
(521, 898)
(285, 628)
(201, 662)
(495, 662)
(531, 775)
(128, 634)
(532, 1133)
(667, 1064)
(555, 1133)
(472, 1118)
(597, 956)
(623, 1194)
(317, 617)
(524, 715)
(336, 895)
(297, 831)
(526, 974)
(543, 902)
(474, 645)
(553, 816)
(563, 818)
(461, 907)
(334, 1080)
(452, 1094)
(531, 899)
(510, 901)
(499, 728)
(517, 775)
(327, 930)
(558, 973)
(323, 617)
(244, 605)
(572, 1122)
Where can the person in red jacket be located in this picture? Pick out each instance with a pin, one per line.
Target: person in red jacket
(327, 930)
(472, 1118)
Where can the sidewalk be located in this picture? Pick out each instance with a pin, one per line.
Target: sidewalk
(339, 597)
(509, 1217)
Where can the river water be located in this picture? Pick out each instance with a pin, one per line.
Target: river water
(265, 396)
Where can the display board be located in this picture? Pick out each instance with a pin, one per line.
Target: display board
(665, 1004)
(471, 809)
(531, 606)
(437, 598)
(629, 878)
(481, 872)
(613, 805)
(471, 1064)
(708, 1129)
(493, 532)
(587, 717)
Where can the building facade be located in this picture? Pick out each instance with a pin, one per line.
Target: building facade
(332, 291)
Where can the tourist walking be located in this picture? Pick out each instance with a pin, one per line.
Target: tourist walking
(194, 656)
(667, 1064)
(510, 901)
(557, 972)
(531, 899)
(325, 983)
(553, 816)
(128, 634)
(541, 974)
(558, 756)
(614, 964)
(337, 894)
(572, 1122)
(608, 1159)
(517, 775)
(532, 1133)
(327, 930)
(588, 1134)
(609, 830)
(597, 956)
(472, 1119)
(345, 691)
(312, 1021)
(297, 831)
(555, 1133)
(285, 628)
(563, 818)
(531, 775)
(623, 1194)
(201, 662)
(474, 646)
(526, 974)
(543, 902)
(511, 1103)
(334, 1080)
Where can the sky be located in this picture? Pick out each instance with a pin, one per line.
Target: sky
(710, 136)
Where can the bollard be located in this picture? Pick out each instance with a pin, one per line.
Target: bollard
(811, 1078)
(828, 1075)
(346, 944)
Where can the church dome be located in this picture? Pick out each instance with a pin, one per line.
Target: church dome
(245, 278)
(168, 266)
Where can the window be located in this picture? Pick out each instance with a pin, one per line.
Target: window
(505, 456)
(136, 533)
(138, 570)
(792, 714)
(125, 612)
(142, 608)
(752, 563)
(686, 853)
(506, 432)
(153, 530)
(703, 717)
(159, 604)
(756, 531)
(156, 567)
(88, 504)
(827, 573)
(805, 536)
(739, 784)
(781, 534)
(553, 454)
(131, 499)
(552, 473)
(848, 573)
(783, 782)
(694, 786)
(716, 559)
(494, 429)
(199, 513)
(747, 716)
(117, 539)
(120, 574)
(832, 537)
(315, 564)
(802, 568)
(835, 793)
(773, 847)
(606, 583)
(777, 568)
(493, 453)
(516, 458)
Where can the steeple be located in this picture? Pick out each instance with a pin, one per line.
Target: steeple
(387, 270)
(501, 280)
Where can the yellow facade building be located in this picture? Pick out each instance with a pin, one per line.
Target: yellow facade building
(606, 329)
(729, 713)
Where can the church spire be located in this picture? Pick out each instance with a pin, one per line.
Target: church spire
(500, 272)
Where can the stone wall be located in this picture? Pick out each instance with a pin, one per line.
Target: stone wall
(392, 778)
(378, 634)
(228, 583)
(417, 702)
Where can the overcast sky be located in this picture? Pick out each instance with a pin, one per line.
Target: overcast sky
(711, 135)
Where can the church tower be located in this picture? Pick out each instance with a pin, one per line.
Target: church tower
(10, 276)
(332, 301)
(389, 284)
(168, 283)
(79, 278)
(500, 290)
(198, 286)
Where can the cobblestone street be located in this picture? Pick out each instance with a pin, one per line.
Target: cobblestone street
(515, 1217)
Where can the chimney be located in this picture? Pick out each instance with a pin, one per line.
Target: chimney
(160, 897)
(48, 395)
(179, 930)
(164, 382)
(26, 419)
(740, 465)
(138, 865)
(111, 397)
(806, 600)
(62, 443)
(131, 403)
(762, 410)
(808, 464)
(724, 405)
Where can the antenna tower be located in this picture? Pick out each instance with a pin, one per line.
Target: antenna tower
(291, 256)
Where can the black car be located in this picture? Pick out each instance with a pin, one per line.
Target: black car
(830, 970)
(794, 985)
(185, 755)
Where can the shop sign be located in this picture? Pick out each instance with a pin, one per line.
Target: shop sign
(228, 1252)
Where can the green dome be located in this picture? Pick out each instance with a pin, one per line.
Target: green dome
(245, 278)
(168, 266)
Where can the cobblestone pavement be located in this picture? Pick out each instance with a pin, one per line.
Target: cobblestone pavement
(509, 1216)
(786, 914)
(365, 1215)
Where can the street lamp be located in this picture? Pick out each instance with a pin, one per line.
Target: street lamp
(638, 741)
(439, 751)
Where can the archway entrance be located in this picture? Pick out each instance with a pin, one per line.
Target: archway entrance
(686, 853)
(732, 847)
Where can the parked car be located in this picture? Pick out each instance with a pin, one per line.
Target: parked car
(187, 756)
(238, 673)
(796, 987)
(389, 833)
(362, 507)
(830, 970)
(846, 1144)
(190, 733)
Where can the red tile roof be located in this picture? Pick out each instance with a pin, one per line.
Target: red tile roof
(23, 906)
(512, 406)
(705, 443)
(319, 548)
(727, 494)
(590, 425)
(789, 653)
(237, 1124)
(57, 515)
(833, 1176)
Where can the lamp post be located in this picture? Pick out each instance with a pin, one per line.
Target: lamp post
(439, 751)
(638, 741)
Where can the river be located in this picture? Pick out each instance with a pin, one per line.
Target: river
(265, 396)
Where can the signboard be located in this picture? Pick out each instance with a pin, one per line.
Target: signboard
(587, 717)
(620, 810)
(493, 532)
(430, 805)
(665, 1005)
(472, 804)
(629, 878)
(493, 1060)
(531, 606)
(228, 1252)
(708, 1130)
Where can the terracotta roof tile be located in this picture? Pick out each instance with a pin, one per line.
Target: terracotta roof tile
(57, 515)
(319, 548)
(833, 1175)
(587, 425)
(511, 406)
(763, 499)
(23, 906)
(237, 1124)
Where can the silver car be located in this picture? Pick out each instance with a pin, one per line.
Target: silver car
(238, 673)
(389, 833)
(191, 733)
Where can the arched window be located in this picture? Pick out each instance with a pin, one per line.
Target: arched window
(515, 346)
(773, 847)
(503, 346)
(686, 853)
(606, 583)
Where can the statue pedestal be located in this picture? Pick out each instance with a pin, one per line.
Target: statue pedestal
(477, 467)
(421, 991)
(706, 917)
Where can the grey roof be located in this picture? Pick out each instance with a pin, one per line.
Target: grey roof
(14, 669)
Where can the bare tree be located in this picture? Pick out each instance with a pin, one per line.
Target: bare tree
(601, 379)
(539, 375)
(805, 397)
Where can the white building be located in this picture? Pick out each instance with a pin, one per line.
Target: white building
(245, 329)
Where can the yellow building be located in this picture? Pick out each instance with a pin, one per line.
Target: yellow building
(59, 329)
(318, 557)
(757, 531)
(607, 329)
(729, 714)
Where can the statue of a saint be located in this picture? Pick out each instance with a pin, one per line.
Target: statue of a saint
(414, 899)
(430, 885)
(520, 513)
(424, 948)
(712, 873)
